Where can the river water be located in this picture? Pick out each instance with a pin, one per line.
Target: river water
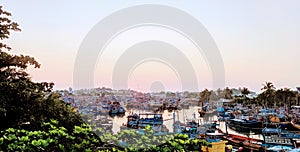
(182, 116)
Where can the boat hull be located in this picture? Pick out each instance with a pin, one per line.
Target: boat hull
(245, 127)
(295, 125)
(249, 144)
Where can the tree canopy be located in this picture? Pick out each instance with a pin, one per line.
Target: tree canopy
(22, 101)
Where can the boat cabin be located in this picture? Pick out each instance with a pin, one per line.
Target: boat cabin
(150, 119)
(214, 136)
(273, 137)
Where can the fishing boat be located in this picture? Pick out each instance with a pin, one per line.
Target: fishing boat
(295, 124)
(274, 120)
(113, 110)
(121, 110)
(279, 149)
(223, 116)
(150, 119)
(245, 122)
(104, 109)
(207, 110)
(273, 137)
(116, 109)
(132, 122)
(295, 150)
(216, 142)
(287, 134)
(245, 142)
(191, 128)
(244, 126)
(155, 121)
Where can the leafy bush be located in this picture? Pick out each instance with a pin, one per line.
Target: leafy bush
(83, 138)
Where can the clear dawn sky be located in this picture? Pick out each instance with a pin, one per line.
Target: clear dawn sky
(258, 40)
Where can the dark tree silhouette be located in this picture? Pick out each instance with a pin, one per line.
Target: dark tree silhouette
(23, 101)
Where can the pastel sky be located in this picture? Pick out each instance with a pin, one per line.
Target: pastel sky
(258, 41)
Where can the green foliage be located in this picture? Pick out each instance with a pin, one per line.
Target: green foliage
(272, 97)
(205, 95)
(53, 138)
(24, 103)
(82, 138)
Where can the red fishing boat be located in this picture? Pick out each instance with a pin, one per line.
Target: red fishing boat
(245, 142)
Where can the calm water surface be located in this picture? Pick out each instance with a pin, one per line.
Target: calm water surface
(181, 115)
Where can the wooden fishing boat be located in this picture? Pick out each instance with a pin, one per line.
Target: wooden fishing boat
(253, 146)
(275, 121)
(245, 142)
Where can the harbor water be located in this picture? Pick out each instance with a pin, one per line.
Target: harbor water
(179, 115)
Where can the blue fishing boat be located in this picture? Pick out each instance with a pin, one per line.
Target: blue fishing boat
(132, 122)
(121, 110)
(150, 119)
(273, 138)
(245, 126)
(116, 109)
(113, 110)
(225, 115)
(155, 121)
(279, 149)
(191, 128)
(142, 120)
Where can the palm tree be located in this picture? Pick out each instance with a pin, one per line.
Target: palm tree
(205, 95)
(268, 93)
(280, 97)
(268, 86)
(289, 95)
(228, 93)
(245, 91)
(285, 96)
